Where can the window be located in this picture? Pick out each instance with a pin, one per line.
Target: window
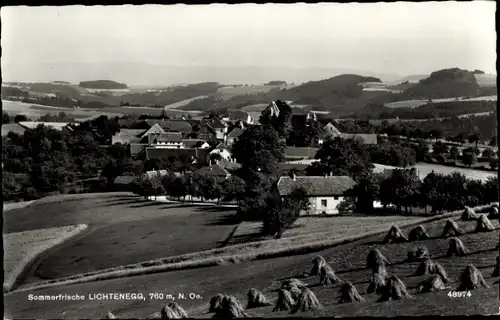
(336, 197)
(323, 203)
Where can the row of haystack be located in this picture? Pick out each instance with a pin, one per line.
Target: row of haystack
(451, 229)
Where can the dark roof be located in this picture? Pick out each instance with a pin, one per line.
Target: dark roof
(316, 185)
(136, 148)
(166, 137)
(12, 127)
(236, 132)
(213, 170)
(163, 153)
(124, 179)
(215, 123)
(294, 166)
(236, 114)
(171, 125)
(193, 143)
(130, 132)
(303, 153)
(128, 122)
(229, 165)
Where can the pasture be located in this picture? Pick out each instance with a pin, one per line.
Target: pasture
(125, 229)
(348, 261)
(22, 247)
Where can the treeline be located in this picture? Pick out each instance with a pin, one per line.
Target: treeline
(405, 191)
(54, 161)
(453, 129)
(426, 111)
(102, 84)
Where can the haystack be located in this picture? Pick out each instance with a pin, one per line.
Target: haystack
(292, 282)
(173, 311)
(432, 284)
(484, 224)
(471, 279)
(230, 308)
(215, 302)
(319, 261)
(307, 302)
(431, 267)
(256, 299)
(493, 213)
(109, 315)
(456, 248)
(285, 301)
(468, 214)
(451, 229)
(328, 276)
(375, 259)
(377, 283)
(496, 271)
(418, 233)
(395, 236)
(394, 290)
(418, 254)
(348, 294)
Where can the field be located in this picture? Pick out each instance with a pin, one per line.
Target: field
(125, 229)
(417, 103)
(35, 111)
(182, 103)
(348, 260)
(229, 92)
(22, 247)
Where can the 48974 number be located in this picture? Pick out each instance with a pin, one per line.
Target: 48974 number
(459, 294)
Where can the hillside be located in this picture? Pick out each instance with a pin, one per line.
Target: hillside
(102, 84)
(446, 83)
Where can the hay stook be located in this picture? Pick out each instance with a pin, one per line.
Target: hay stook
(429, 267)
(471, 279)
(256, 299)
(377, 283)
(418, 254)
(496, 270)
(285, 301)
(230, 308)
(456, 248)
(349, 293)
(493, 213)
(318, 262)
(394, 290)
(375, 260)
(432, 284)
(395, 235)
(451, 229)
(307, 302)
(328, 276)
(468, 214)
(110, 315)
(418, 233)
(483, 224)
(173, 310)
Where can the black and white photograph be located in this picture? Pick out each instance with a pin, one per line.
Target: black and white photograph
(250, 160)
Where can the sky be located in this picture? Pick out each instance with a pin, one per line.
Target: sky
(98, 41)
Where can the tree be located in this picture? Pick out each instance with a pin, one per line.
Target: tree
(432, 192)
(454, 153)
(494, 163)
(488, 154)
(366, 192)
(469, 158)
(281, 122)
(455, 191)
(20, 118)
(439, 148)
(340, 156)
(474, 138)
(234, 189)
(401, 189)
(5, 117)
(259, 148)
(436, 134)
(493, 141)
(491, 190)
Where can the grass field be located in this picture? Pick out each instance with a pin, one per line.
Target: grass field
(229, 92)
(126, 230)
(22, 247)
(348, 261)
(417, 103)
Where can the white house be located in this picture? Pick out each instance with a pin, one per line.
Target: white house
(223, 151)
(325, 192)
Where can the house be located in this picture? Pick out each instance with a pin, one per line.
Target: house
(218, 126)
(331, 132)
(127, 136)
(330, 128)
(325, 192)
(136, 150)
(166, 140)
(195, 143)
(233, 135)
(230, 165)
(300, 153)
(214, 170)
(236, 115)
(179, 125)
(206, 133)
(157, 173)
(221, 150)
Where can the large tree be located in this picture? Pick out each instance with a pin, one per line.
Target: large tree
(280, 120)
(340, 156)
(259, 148)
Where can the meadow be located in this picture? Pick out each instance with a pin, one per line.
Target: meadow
(229, 92)
(20, 248)
(417, 103)
(348, 261)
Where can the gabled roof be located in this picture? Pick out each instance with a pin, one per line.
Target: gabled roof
(136, 148)
(164, 153)
(215, 123)
(236, 132)
(53, 125)
(229, 165)
(236, 114)
(213, 170)
(172, 125)
(303, 153)
(330, 128)
(12, 127)
(154, 129)
(152, 173)
(193, 143)
(130, 133)
(124, 179)
(316, 185)
(165, 137)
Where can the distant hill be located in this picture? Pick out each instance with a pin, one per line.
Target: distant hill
(102, 84)
(276, 83)
(413, 78)
(446, 83)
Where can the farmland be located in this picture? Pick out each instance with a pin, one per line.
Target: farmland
(125, 229)
(229, 91)
(417, 103)
(21, 247)
(348, 260)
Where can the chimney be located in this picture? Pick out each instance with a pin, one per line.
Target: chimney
(294, 177)
(331, 174)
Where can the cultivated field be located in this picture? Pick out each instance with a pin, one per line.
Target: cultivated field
(417, 103)
(182, 103)
(125, 229)
(22, 247)
(229, 92)
(348, 261)
(35, 111)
